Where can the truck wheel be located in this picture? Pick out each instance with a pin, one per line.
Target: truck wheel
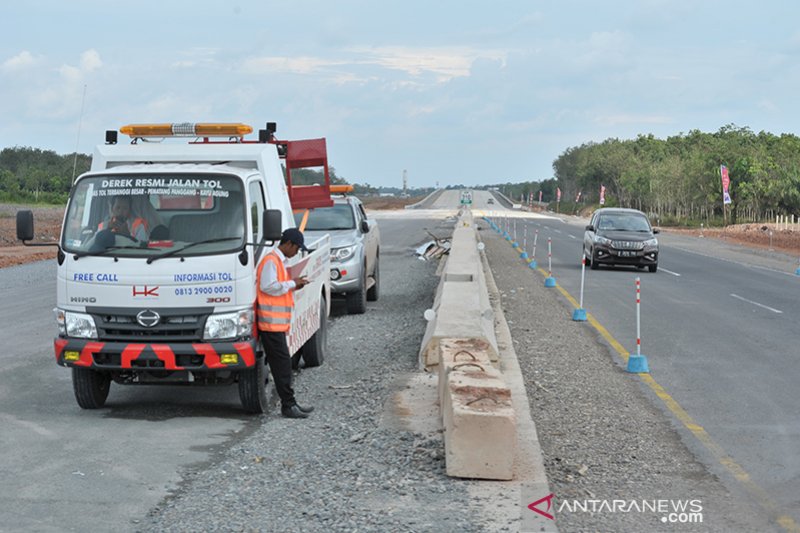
(91, 387)
(253, 388)
(357, 301)
(314, 349)
(375, 291)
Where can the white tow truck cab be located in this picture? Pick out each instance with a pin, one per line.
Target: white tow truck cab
(158, 257)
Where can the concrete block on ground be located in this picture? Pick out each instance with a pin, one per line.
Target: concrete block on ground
(479, 427)
(467, 355)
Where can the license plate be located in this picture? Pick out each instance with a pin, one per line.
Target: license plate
(626, 253)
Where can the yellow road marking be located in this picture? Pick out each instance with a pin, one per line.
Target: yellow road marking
(759, 494)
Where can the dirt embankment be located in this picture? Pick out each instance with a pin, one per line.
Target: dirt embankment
(784, 239)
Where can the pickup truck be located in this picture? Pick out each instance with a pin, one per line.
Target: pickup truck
(355, 248)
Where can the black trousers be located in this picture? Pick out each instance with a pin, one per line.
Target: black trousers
(280, 364)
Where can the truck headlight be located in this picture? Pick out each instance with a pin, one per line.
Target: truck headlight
(344, 253)
(651, 242)
(228, 325)
(78, 325)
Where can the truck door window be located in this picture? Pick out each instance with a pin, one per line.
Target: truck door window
(256, 208)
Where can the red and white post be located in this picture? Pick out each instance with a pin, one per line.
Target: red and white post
(549, 281)
(579, 314)
(638, 363)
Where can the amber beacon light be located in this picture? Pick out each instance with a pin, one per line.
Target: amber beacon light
(187, 129)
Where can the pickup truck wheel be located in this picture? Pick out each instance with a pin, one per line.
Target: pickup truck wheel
(314, 349)
(253, 388)
(375, 291)
(357, 301)
(91, 387)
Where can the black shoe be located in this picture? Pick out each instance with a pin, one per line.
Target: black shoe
(306, 410)
(293, 412)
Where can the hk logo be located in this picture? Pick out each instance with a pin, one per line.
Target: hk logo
(146, 291)
(545, 513)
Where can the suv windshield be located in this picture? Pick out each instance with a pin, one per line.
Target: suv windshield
(340, 216)
(150, 214)
(622, 222)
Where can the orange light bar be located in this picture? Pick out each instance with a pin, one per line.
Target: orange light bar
(341, 189)
(187, 129)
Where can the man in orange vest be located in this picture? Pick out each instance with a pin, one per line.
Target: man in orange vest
(121, 221)
(275, 304)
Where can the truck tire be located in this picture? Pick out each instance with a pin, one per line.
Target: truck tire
(314, 349)
(91, 387)
(253, 388)
(357, 301)
(375, 291)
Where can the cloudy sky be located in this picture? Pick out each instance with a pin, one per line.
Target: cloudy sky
(452, 91)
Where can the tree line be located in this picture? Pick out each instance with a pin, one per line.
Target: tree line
(678, 179)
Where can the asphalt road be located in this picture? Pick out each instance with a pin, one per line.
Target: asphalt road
(720, 335)
(67, 469)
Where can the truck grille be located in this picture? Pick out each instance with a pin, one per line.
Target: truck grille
(175, 325)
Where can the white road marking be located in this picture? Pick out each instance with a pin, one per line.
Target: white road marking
(756, 303)
(557, 231)
(669, 271)
(571, 236)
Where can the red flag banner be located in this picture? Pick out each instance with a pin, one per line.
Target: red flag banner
(540, 196)
(558, 194)
(602, 195)
(578, 197)
(726, 181)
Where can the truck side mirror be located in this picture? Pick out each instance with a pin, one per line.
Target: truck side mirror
(364, 226)
(589, 228)
(271, 224)
(25, 225)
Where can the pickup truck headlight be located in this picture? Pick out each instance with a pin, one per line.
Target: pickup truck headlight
(343, 254)
(602, 240)
(78, 325)
(228, 325)
(651, 242)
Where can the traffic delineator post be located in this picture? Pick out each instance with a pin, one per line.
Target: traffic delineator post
(637, 364)
(797, 271)
(549, 281)
(532, 261)
(579, 314)
(524, 254)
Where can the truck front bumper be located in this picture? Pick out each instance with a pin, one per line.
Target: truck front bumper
(124, 356)
(346, 277)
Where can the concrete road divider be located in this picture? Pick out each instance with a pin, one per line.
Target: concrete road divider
(479, 427)
(462, 304)
(461, 354)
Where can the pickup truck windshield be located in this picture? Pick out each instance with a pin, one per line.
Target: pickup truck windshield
(339, 216)
(150, 214)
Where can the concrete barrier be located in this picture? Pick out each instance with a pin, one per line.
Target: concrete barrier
(463, 354)
(479, 426)
(462, 302)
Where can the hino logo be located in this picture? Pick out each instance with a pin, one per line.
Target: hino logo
(148, 318)
(82, 299)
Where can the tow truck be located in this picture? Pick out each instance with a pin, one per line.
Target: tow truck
(158, 256)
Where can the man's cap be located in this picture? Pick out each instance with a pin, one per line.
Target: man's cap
(295, 236)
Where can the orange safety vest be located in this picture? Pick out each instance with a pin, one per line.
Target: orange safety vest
(274, 312)
(137, 222)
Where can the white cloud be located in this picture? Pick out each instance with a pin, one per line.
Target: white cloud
(294, 65)
(19, 61)
(627, 118)
(90, 60)
(445, 62)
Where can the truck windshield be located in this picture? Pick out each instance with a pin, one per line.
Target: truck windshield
(339, 216)
(149, 214)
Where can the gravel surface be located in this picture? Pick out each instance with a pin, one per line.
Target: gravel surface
(601, 432)
(349, 467)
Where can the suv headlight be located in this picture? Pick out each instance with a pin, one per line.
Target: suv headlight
(78, 325)
(228, 325)
(602, 240)
(344, 253)
(651, 242)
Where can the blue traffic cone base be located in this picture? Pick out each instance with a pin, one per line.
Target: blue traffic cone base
(549, 281)
(797, 272)
(579, 315)
(637, 364)
(532, 264)
(524, 255)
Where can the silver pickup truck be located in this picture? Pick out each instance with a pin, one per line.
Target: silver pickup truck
(355, 249)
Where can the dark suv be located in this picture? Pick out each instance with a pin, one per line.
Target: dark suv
(617, 236)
